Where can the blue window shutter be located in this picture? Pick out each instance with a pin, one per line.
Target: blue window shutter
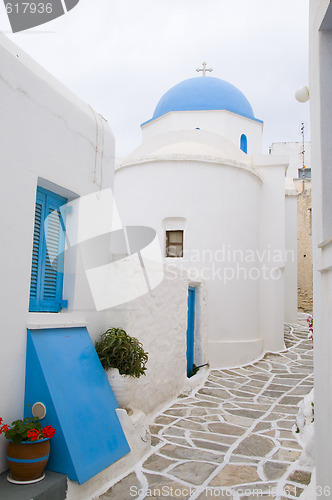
(244, 143)
(48, 253)
(38, 237)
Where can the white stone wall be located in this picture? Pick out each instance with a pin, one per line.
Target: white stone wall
(291, 232)
(320, 77)
(226, 211)
(272, 239)
(159, 321)
(47, 138)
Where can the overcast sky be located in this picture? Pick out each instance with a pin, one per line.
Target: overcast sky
(121, 56)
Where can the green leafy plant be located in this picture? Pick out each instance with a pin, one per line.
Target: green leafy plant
(116, 349)
(27, 430)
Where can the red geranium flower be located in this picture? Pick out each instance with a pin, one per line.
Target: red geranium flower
(28, 429)
(33, 434)
(48, 432)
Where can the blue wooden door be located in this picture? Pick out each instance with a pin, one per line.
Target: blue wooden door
(190, 331)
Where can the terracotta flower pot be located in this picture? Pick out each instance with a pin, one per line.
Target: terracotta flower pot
(27, 460)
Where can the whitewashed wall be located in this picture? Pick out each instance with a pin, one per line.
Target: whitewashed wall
(291, 246)
(159, 321)
(320, 77)
(226, 211)
(272, 239)
(47, 137)
(228, 125)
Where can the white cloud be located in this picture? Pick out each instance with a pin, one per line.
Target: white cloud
(122, 55)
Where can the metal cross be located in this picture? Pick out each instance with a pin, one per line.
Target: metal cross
(205, 69)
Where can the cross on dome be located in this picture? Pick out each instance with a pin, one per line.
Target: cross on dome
(204, 69)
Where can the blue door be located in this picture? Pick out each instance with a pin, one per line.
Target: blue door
(190, 331)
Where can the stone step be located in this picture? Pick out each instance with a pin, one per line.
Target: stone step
(53, 487)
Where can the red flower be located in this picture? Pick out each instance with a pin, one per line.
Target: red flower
(20, 430)
(48, 432)
(33, 434)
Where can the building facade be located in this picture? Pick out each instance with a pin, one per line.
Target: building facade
(218, 206)
(300, 155)
(320, 77)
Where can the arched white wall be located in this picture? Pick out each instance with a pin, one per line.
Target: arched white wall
(221, 205)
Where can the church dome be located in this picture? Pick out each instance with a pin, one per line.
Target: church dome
(204, 93)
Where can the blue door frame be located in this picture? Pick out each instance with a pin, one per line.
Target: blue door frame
(190, 331)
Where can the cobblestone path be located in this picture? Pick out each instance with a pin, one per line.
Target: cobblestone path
(234, 438)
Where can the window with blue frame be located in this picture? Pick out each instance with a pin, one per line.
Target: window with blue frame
(48, 253)
(244, 143)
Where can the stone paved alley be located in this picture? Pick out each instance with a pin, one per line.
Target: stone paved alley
(234, 438)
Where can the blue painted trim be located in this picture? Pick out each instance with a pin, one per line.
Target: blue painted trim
(191, 330)
(27, 460)
(32, 442)
(53, 195)
(46, 282)
(153, 119)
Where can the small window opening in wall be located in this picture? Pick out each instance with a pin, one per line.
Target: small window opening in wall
(174, 243)
(244, 143)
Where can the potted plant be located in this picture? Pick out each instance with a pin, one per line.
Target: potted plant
(124, 359)
(28, 449)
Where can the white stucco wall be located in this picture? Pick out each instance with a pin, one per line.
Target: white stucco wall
(321, 127)
(159, 321)
(229, 125)
(291, 247)
(272, 240)
(47, 137)
(225, 211)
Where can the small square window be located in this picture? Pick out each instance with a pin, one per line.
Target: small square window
(174, 243)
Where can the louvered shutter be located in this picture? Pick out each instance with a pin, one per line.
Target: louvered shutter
(48, 257)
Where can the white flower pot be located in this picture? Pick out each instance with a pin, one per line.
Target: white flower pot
(123, 387)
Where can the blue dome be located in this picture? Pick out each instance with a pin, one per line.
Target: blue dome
(204, 93)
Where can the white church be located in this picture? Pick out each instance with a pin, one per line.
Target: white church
(226, 227)
(221, 211)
